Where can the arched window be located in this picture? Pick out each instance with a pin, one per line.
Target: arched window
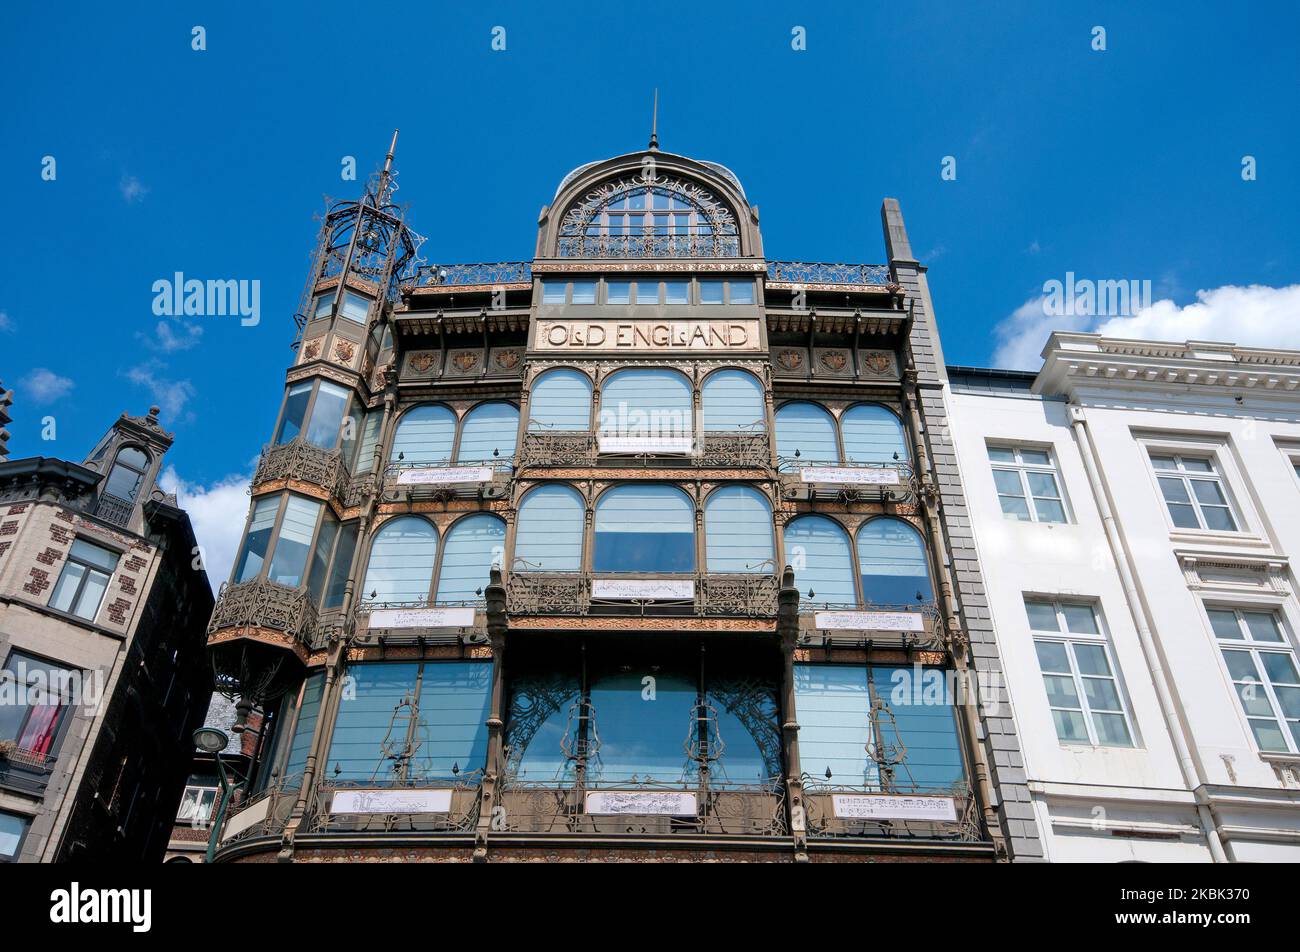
(738, 531)
(128, 473)
(474, 545)
(646, 402)
(733, 400)
(872, 434)
(818, 548)
(401, 561)
(808, 429)
(671, 218)
(548, 533)
(644, 528)
(489, 428)
(560, 400)
(424, 436)
(891, 557)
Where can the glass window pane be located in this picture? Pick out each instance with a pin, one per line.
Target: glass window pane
(1268, 735)
(618, 292)
(341, 566)
(733, 400)
(548, 537)
(834, 705)
(1289, 698)
(12, 828)
(677, 292)
(742, 292)
(1279, 667)
(1042, 616)
(1197, 465)
(1035, 457)
(474, 545)
(320, 555)
(455, 700)
(1218, 519)
(401, 561)
(369, 437)
(892, 559)
(65, 590)
(818, 549)
(1042, 484)
(1240, 665)
(380, 700)
(872, 434)
(489, 433)
(560, 400)
(1015, 506)
(1184, 517)
(584, 292)
(1164, 462)
(355, 307)
(925, 724)
(91, 592)
(1091, 659)
(1174, 489)
(1224, 623)
(538, 723)
(1080, 619)
(644, 528)
(1111, 730)
(738, 531)
(1262, 626)
(1008, 482)
(95, 555)
(327, 415)
(295, 410)
(553, 292)
(711, 291)
(1002, 454)
(806, 429)
(424, 436)
(258, 540)
(646, 403)
(1208, 492)
(1101, 694)
(1070, 727)
(638, 735)
(1253, 699)
(324, 306)
(303, 730)
(124, 480)
(1060, 691)
(1049, 510)
(1052, 657)
(291, 547)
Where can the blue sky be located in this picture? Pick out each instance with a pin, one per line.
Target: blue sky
(1123, 163)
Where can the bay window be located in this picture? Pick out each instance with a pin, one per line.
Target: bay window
(281, 531)
(315, 410)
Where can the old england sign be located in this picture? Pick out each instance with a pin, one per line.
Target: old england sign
(735, 336)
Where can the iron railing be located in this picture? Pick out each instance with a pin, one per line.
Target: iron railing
(301, 460)
(261, 603)
(698, 245)
(931, 635)
(893, 481)
(821, 272)
(469, 275)
(112, 509)
(823, 823)
(746, 595)
(569, 448)
(462, 817)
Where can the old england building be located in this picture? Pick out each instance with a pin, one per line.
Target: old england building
(650, 547)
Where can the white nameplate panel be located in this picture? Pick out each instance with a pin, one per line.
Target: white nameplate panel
(422, 618)
(391, 801)
(646, 444)
(889, 807)
(642, 802)
(246, 818)
(632, 588)
(869, 621)
(452, 474)
(837, 474)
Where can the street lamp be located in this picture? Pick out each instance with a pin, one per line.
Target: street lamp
(213, 741)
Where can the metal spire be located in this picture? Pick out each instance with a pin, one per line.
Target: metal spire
(386, 176)
(654, 124)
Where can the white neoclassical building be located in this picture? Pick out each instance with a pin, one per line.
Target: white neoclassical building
(1136, 510)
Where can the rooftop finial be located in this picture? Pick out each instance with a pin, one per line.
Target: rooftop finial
(654, 124)
(387, 175)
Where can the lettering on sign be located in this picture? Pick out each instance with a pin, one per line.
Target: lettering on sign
(391, 801)
(643, 802)
(452, 474)
(837, 474)
(869, 621)
(713, 336)
(646, 444)
(422, 618)
(888, 807)
(634, 588)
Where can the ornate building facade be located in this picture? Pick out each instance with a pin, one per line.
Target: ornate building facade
(650, 547)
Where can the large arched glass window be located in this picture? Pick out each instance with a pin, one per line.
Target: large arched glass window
(738, 531)
(548, 533)
(644, 528)
(560, 400)
(488, 434)
(474, 545)
(733, 400)
(646, 402)
(818, 548)
(891, 557)
(671, 218)
(401, 561)
(642, 740)
(808, 429)
(127, 474)
(872, 434)
(424, 436)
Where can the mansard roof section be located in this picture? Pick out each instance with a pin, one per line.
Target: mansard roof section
(694, 209)
(1073, 361)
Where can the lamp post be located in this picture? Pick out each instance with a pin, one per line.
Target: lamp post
(213, 741)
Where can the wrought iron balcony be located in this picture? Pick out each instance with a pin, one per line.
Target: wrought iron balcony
(303, 461)
(260, 603)
(471, 275)
(355, 806)
(820, 272)
(740, 595)
(809, 480)
(574, 448)
(445, 479)
(943, 813)
(421, 619)
(112, 509)
(637, 808)
(698, 243)
(904, 625)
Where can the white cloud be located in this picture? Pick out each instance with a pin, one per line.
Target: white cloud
(45, 386)
(168, 341)
(1254, 316)
(170, 395)
(6, 322)
(132, 189)
(217, 513)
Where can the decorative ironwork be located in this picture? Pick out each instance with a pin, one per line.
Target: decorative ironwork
(480, 273)
(461, 818)
(932, 637)
(303, 461)
(745, 595)
(820, 272)
(569, 448)
(862, 482)
(823, 823)
(355, 490)
(557, 448)
(280, 798)
(112, 509)
(260, 603)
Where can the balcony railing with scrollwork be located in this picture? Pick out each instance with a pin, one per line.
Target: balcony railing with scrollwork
(470, 275)
(821, 272)
(558, 807)
(892, 481)
(716, 595)
(576, 448)
(697, 243)
(260, 603)
(915, 624)
(112, 509)
(303, 461)
(461, 817)
(824, 823)
(444, 477)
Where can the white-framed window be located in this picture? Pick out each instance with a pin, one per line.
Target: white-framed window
(196, 805)
(1262, 666)
(1193, 491)
(84, 579)
(1029, 488)
(554, 292)
(1078, 671)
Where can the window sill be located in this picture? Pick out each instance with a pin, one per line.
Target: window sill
(1236, 540)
